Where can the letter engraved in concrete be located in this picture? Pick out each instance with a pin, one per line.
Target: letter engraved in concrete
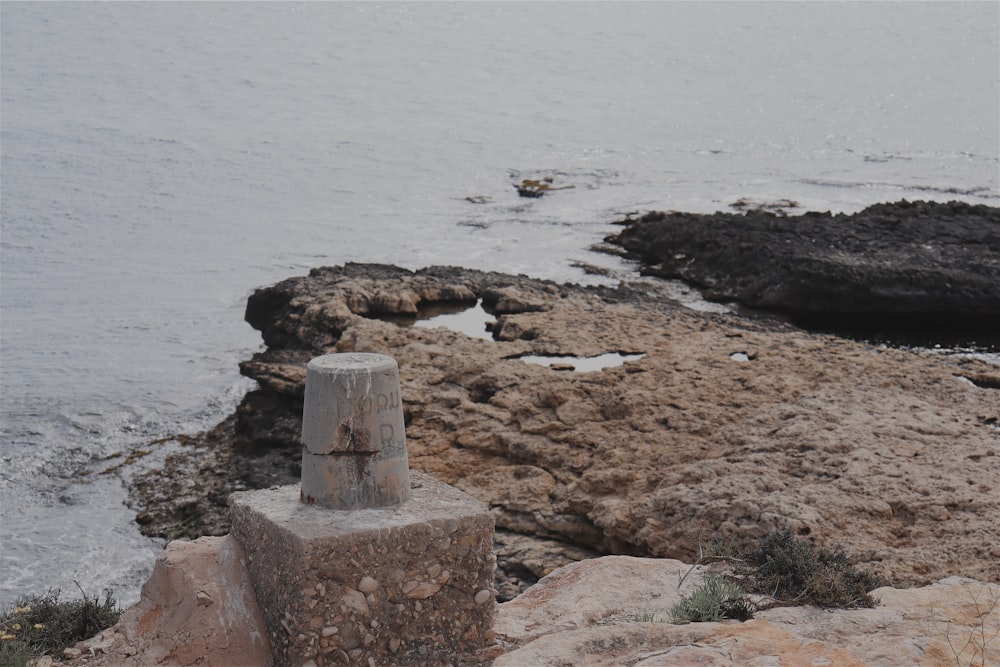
(387, 432)
(388, 401)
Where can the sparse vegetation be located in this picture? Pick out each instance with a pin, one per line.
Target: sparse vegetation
(646, 617)
(792, 571)
(782, 568)
(42, 625)
(716, 599)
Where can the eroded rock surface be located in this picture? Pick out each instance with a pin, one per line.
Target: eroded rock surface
(187, 616)
(573, 617)
(726, 428)
(900, 269)
(197, 608)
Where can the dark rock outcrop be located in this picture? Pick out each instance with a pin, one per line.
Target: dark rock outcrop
(906, 270)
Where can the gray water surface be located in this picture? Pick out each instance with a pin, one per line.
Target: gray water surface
(161, 160)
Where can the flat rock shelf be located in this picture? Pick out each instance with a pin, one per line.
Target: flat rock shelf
(726, 427)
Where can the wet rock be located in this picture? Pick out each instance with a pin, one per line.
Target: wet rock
(775, 206)
(923, 270)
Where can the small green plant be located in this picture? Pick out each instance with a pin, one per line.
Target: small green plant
(40, 624)
(792, 571)
(716, 599)
(786, 569)
(645, 617)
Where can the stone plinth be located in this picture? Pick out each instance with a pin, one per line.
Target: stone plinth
(410, 584)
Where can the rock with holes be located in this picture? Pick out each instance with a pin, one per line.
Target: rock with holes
(719, 426)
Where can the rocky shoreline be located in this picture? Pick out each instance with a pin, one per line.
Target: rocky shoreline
(727, 427)
(924, 272)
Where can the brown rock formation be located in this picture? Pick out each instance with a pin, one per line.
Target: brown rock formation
(726, 428)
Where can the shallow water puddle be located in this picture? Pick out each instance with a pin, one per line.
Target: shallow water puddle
(469, 320)
(581, 364)
(474, 321)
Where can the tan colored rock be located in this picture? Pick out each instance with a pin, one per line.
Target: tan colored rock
(726, 428)
(524, 559)
(585, 593)
(887, 452)
(590, 613)
(197, 608)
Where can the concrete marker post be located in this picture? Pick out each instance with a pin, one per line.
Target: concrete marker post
(356, 565)
(354, 442)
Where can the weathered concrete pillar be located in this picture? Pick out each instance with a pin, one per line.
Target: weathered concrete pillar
(354, 445)
(364, 563)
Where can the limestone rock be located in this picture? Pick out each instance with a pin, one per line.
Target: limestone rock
(727, 428)
(586, 593)
(574, 617)
(524, 559)
(197, 608)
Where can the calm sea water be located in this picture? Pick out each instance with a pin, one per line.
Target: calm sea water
(160, 160)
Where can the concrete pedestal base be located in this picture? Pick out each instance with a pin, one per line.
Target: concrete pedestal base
(410, 584)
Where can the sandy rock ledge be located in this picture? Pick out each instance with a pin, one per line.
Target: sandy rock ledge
(572, 617)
